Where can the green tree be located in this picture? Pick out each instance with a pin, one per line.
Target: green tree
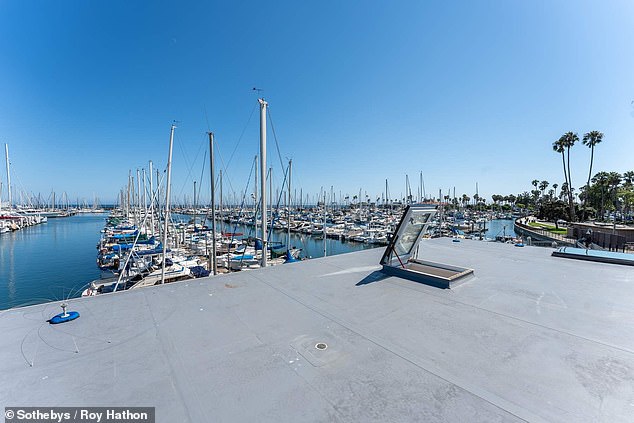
(553, 211)
(497, 198)
(614, 180)
(626, 196)
(523, 200)
(598, 191)
(626, 193)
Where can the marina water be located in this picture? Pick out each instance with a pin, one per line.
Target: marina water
(312, 247)
(499, 227)
(50, 261)
(55, 260)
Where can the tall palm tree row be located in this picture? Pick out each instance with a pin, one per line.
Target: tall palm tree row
(563, 145)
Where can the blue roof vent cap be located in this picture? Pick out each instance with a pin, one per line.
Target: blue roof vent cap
(64, 316)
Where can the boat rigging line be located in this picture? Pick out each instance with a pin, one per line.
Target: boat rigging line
(189, 168)
(277, 146)
(136, 238)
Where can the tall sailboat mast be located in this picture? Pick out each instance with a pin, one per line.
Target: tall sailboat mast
(138, 197)
(255, 194)
(6, 157)
(288, 223)
(144, 203)
(213, 204)
(387, 201)
(270, 212)
(158, 202)
(221, 212)
(127, 204)
(167, 201)
(151, 198)
(195, 205)
(324, 223)
(263, 105)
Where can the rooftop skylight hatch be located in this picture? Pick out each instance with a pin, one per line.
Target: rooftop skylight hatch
(398, 259)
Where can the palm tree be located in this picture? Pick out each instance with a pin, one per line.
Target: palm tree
(555, 186)
(564, 191)
(535, 194)
(570, 138)
(628, 178)
(600, 178)
(465, 200)
(542, 186)
(614, 179)
(535, 183)
(565, 143)
(496, 199)
(591, 139)
(559, 147)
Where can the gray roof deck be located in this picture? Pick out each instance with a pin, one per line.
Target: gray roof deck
(528, 337)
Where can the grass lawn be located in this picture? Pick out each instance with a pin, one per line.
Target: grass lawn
(549, 228)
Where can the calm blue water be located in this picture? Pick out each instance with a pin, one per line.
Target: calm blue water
(499, 227)
(50, 261)
(311, 246)
(56, 260)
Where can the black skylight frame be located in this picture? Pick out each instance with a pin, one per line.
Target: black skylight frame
(409, 231)
(398, 261)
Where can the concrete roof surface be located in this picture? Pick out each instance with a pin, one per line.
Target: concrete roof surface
(529, 337)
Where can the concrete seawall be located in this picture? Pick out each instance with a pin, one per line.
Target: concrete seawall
(540, 235)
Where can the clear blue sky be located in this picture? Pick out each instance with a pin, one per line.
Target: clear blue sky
(360, 91)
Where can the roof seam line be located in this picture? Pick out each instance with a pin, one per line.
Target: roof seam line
(561, 331)
(493, 399)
